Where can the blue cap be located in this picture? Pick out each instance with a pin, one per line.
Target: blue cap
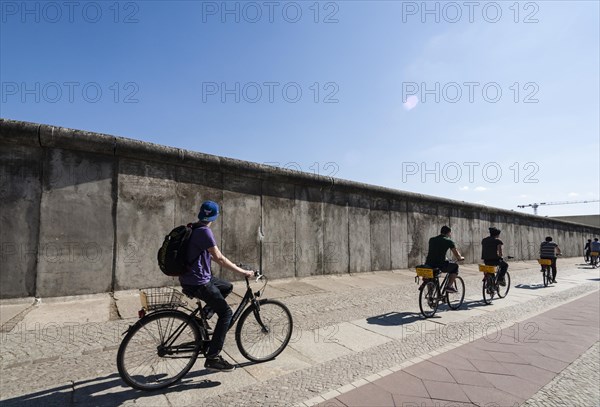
(209, 211)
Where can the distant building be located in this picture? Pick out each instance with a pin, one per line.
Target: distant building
(590, 220)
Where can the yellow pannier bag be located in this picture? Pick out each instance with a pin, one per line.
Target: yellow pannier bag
(487, 269)
(424, 272)
(545, 262)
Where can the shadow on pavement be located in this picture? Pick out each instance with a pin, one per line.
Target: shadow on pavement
(104, 391)
(475, 304)
(530, 287)
(594, 279)
(394, 318)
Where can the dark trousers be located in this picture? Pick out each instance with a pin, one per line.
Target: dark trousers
(447, 267)
(213, 294)
(553, 266)
(497, 262)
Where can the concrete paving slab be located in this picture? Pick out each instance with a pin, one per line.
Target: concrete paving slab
(380, 278)
(365, 282)
(82, 311)
(289, 361)
(298, 288)
(318, 346)
(9, 311)
(128, 303)
(330, 283)
(356, 338)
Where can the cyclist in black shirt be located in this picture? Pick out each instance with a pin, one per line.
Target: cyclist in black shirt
(491, 253)
(587, 249)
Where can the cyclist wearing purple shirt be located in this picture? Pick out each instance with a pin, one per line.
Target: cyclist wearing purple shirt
(200, 283)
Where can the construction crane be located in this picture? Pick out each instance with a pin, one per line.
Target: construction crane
(536, 205)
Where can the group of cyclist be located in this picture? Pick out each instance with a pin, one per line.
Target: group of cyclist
(199, 282)
(592, 250)
(491, 254)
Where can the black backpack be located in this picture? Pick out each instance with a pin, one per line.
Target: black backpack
(172, 255)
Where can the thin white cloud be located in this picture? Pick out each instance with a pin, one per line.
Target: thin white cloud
(465, 188)
(481, 189)
(573, 194)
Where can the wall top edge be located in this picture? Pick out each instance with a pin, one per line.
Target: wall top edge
(48, 136)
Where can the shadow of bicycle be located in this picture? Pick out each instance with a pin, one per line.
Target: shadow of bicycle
(106, 391)
(530, 287)
(394, 318)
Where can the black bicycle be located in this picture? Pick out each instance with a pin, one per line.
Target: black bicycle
(491, 287)
(162, 346)
(431, 292)
(594, 259)
(546, 271)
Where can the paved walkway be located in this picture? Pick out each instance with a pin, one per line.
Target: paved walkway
(347, 331)
(503, 370)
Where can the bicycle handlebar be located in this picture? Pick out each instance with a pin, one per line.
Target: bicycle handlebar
(257, 273)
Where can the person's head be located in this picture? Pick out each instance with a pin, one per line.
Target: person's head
(209, 211)
(494, 232)
(445, 230)
(589, 240)
(549, 239)
(595, 239)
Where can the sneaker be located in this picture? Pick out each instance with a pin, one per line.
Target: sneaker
(451, 290)
(219, 364)
(502, 283)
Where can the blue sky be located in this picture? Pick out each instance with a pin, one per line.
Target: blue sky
(369, 74)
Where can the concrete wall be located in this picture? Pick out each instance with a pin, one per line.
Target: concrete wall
(85, 213)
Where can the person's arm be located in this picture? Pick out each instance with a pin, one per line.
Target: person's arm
(457, 254)
(223, 261)
(500, 251)
(558, 250)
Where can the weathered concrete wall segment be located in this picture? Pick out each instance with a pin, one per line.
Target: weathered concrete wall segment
(85, 213)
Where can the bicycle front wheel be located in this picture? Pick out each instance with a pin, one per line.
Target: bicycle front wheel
(489, 288)
(455, 300)
(158, 350)
(264, 332)
(428, 299)
(503, 290)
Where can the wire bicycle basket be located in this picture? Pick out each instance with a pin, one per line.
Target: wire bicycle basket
(160, 298)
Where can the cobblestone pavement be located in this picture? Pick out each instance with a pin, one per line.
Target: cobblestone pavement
(577, 385)
(53, 365)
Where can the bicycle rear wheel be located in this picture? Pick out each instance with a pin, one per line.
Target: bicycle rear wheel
(264, 332)
(546, 274)
(503, 290)
(158, 350)
(455, 300)
(428, 299)
(489, 288)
